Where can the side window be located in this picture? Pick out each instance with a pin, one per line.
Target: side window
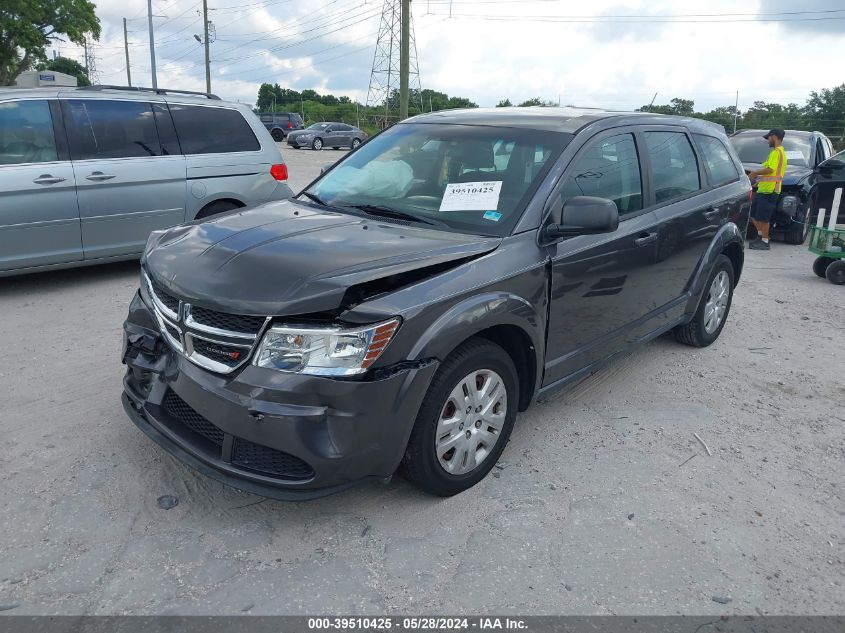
(608, 169)
(718, 160)
(110, 129)
(26, 132)
(673, 165)
(209, 130)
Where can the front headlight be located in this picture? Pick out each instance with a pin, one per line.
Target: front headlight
(324, 351)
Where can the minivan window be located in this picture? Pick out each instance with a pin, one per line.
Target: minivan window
(609, 168)
(99, 128)
(718, 159)
(210, 130)
(673, 165)
(26, 132)
(445, 175)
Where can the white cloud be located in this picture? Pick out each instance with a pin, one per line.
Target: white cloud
(620, 64)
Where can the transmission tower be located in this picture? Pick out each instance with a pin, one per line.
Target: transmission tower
(384, 78)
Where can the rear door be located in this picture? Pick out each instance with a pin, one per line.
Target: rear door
(39, 216)
(604, 289)
(128, 182)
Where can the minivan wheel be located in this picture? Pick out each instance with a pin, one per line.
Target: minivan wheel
(465, 420)
(277, 135)
(317, 144)
(712, 312)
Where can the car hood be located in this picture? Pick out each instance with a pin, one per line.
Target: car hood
(285, 258)
(794, 175)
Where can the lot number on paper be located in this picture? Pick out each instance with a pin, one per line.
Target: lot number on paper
(471, 196)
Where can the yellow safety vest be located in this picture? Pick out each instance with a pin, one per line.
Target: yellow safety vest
(777, 163)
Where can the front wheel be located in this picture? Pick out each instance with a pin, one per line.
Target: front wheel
(835, 273)
(796, 233)
(355, 143)
(465, 420)
(712, 312)
(317, 144)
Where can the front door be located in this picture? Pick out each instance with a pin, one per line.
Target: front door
(128, 184)
(39, 216)
(602, 286)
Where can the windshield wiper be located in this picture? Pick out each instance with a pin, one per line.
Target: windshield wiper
(313, 197)
(387, 212)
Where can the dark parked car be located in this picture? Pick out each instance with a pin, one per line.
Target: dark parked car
(334, 135)
(280, 124)
(404, 308)
(804, 151)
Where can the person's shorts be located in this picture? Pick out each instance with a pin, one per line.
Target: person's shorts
(763, 206)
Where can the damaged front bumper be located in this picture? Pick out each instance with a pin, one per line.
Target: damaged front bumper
(280, 435)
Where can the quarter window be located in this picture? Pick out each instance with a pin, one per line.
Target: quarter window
(26, 132)
(111, 129)
(608, 169)
(718, 160)
(211, 130)
(673, 165)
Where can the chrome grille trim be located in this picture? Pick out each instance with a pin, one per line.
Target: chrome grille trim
(189, 330)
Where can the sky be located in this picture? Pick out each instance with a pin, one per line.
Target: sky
(586, 54)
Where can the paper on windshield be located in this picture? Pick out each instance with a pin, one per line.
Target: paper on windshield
(471, 196)
(796, 154)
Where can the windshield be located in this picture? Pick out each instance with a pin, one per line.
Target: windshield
(753, 148)
(318, 126)
(474, 179)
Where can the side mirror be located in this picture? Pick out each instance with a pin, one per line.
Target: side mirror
(585, 215)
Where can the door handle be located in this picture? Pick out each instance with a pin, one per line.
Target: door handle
(98, 176)
(645, 239)
(712, 214)
(47, 179)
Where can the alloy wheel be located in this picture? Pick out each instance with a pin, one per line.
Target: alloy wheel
(717, 302)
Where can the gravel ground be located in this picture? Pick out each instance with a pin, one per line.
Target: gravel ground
(604, 501)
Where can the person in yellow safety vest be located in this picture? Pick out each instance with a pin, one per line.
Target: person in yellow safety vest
(769, 180)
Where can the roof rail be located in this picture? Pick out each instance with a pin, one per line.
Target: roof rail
(158, 91)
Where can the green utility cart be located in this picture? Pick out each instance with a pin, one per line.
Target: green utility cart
(829, 245)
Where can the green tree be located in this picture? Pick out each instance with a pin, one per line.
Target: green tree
(536, 101)
(69, 67)
(504, 103)
(825, 111)
(28, 26)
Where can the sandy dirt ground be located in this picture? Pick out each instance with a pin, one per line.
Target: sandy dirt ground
(604, 501)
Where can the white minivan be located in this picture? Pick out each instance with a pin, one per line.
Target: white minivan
(87, 173)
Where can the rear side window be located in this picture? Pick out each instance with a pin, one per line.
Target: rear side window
(718, 160)
(610, 168)
(673, 165)
(98, 128)
(26, 132)
(210, 130)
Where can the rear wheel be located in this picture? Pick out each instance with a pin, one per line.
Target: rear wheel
(821, 264)
(712, 312)
(317, 144)
(465, 420)
(278, 135)
(216, 208)
(835, 273)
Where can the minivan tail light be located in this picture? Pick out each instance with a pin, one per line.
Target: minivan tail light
(279, 172)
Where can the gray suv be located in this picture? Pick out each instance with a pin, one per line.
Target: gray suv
(87, 173)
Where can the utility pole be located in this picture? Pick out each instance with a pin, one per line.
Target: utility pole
(126, 49)
(736, 110)
(85, 50)
(404, 59)
(205, 41)
(152, 43)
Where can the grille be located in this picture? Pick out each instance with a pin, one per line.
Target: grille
(172, 330)
(171, 302)
(264, 459)
(222, 321)
(230, 355)
(181, 411)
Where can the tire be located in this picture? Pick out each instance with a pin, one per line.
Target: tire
(428, 465)
(216, 208)
(796, 233)
(278, 135)
(356, 143)
(835, 273)
(317, 144)
(821, 264)
(700, 331)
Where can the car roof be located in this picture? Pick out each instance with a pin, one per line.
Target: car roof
(761, 132)
(552, 119)
(163, 94)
